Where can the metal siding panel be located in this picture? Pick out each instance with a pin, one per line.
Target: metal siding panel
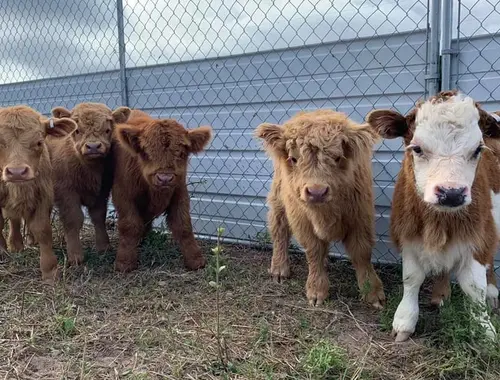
(479, 73)
(234, 95)
(230, 180)
(307, 88)
(46, 94)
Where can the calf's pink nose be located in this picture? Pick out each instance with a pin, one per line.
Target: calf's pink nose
(93, 146)
(164, 177)
(17, 172)
(317, 191)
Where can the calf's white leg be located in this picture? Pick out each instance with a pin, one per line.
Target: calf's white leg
(406, 316)
(492, 296)
(472, 280)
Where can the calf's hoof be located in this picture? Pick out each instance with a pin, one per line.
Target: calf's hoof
(401, 336)
(438, 298)
(31, 241)
(373, 292)
(50, 277)
(491, 333)
(195, 263)
(437, 301)
(74, 261)
(376, 298)
(280, 272)
(317, 291)
(492, 296)
(493, 302)
(125, 266)
(16, 246)
(102, 247)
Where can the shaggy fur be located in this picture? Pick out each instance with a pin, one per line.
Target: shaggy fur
(151, 160)
(436, 240)
(83, 172)
(322, 192)
(26, 188)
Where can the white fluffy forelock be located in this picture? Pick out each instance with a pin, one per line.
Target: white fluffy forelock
(459, 111)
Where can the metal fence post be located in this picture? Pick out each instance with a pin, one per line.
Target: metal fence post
(446, 50)
(432, 77)
(457, 44)
(121, 53)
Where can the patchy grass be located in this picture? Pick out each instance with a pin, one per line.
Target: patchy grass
(455, 342)
(160, 322)
(325, 358)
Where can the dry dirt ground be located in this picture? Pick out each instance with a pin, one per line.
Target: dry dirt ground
(160, 322)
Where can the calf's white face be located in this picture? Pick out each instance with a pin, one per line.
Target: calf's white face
(446, 147)
(444, 137)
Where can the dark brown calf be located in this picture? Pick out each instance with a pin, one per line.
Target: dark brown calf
(26, 189)
(83, 172)
(150, 179)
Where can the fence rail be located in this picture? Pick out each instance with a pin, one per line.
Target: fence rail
(233, 65)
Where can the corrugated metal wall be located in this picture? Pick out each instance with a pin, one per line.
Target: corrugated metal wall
(477, 69)
(231, 179)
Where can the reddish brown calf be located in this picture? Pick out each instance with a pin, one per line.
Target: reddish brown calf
(151, 160)
(26, 189)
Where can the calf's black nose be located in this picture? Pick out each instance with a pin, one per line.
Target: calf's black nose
(451, 197)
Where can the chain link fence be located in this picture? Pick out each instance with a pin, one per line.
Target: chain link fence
(476, 47)
(233, 65)
(475, 58)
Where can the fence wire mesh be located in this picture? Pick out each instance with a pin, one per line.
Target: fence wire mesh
(477, 61)
(233, 65)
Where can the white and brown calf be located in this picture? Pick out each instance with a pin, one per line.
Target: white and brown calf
(445, 204)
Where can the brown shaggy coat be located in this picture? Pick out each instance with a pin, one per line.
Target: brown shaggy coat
(322, 192)
(151, 160)
(26, 188)
(83, 172)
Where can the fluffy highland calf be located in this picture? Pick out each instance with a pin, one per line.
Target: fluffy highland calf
(26, 188)
(321, 192)
(446, 199)
(83, 172)
(151, 160)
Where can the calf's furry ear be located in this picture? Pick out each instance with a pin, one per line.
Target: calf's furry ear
(121, 114)
(59, 127)
(387, 123)
(362, 138)
(489, 124)
(272, 135)
(199, 138)
(60, 112)
(129, 138)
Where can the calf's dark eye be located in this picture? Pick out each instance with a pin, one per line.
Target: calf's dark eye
(417, 150)
(477, 151)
